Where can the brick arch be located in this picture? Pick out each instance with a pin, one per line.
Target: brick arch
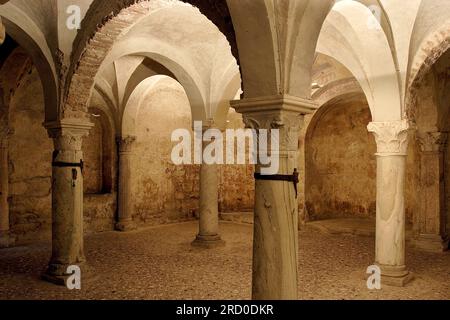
(335, 89)
(95, 40)
(432, 49)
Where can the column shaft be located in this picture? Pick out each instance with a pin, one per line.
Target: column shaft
(275, 240)
(126, 205)
(392, 142)
(209, 207)
(430, 232)
(67, 199)
(208, 236)
(5, 238)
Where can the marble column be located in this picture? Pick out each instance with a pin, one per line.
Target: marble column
(430, 230)
(392, 140)
(208, 235)
(275, 239)
(126, 205)
(6, 240)
(67, 198)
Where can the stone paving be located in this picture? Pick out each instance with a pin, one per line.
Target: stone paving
(159, 263)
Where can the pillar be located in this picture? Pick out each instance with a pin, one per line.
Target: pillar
(430, 230)
(208, 235)
(275, 239)
(392, 142)
(2, 32)
(67, 198)
(126, 204)
(6, 240)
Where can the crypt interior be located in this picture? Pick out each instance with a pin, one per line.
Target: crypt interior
(360, 93)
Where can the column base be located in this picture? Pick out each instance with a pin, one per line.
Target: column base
(125, 226)
(208, 242)
(431, 243)
(57, 273)
(395, 276)
(6, 240)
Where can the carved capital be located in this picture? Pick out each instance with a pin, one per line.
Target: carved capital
(126, 144)
(392, 138)
(432, 141)
(68, 134)
(284, 113)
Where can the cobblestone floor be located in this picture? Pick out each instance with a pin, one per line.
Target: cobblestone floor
(159, 263)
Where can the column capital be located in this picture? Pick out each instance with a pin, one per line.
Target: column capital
(126, 144)
(434, 142)
(273, 104)
(68, 133)
(391, 137)
(282, 112)
(75, 127)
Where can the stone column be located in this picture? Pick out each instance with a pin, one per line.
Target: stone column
(208, 236)
(67, 198)
(275, 240)
(430, 225)
(126, 205)
(2, 32)
(392, 141)
(5, 238)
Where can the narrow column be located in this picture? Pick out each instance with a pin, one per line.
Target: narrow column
(5, 237)
(392, 142)
(126, 206)
(2, 32)
(430, 224)
(208, 236)
(67, 198)
(275, 240)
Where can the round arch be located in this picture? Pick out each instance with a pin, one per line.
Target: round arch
(133, 106)
(33, 42)
(367, 55)
(431, 50)
(336, 89)
(118, 18)
(352, 95)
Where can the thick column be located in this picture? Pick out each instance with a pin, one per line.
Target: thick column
(275, 240)
(392, 142)
(126, 205)
(208, 236)
(67, 198)
(430, 224)
(6, 239)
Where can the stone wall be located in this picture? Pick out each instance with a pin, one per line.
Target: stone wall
(93, 158)
(340, 164)
(30, 154)
(236, 183)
